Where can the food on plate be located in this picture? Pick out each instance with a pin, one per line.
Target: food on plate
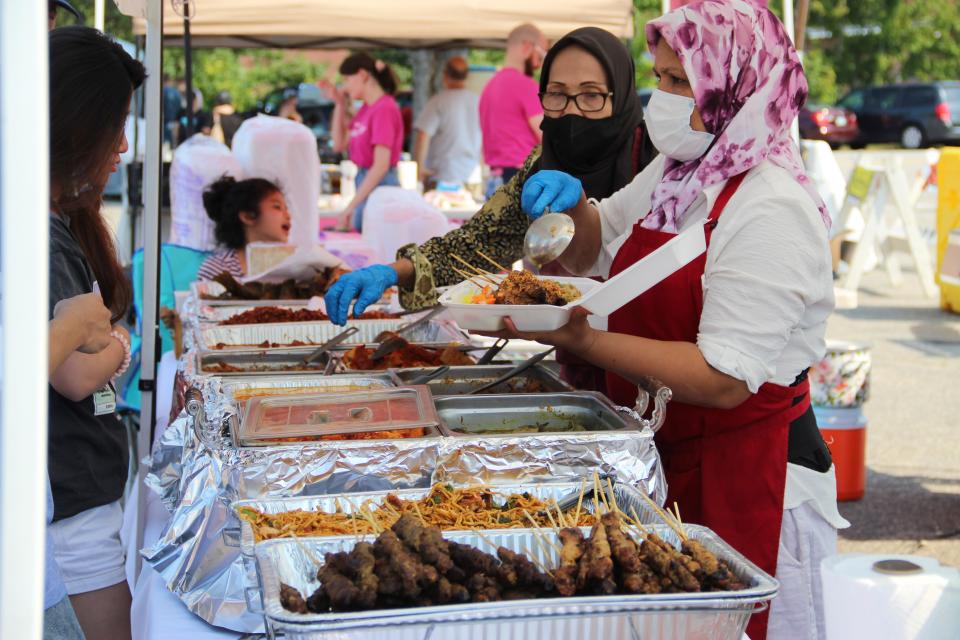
(410, 564)
(523, 287)
(287, 290)
(444, 506)
(409, 355)
(269, 315)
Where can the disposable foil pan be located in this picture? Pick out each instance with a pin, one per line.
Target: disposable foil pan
(202, 288)
(249, 362)
(529, 414)
(219, 313)
(461, 380)
(440, 334)
(239, 387)
(712, 615)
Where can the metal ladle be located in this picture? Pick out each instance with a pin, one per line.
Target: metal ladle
(548, 237)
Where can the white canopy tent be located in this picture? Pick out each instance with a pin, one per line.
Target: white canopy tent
(316, 24)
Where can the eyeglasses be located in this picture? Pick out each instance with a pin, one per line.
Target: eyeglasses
(587, 102)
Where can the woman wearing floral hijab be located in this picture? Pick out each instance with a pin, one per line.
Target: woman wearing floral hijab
(734, 331)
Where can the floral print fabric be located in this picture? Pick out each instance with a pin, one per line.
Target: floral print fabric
(748, 84)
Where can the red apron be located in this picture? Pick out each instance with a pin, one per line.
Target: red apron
(725, 468)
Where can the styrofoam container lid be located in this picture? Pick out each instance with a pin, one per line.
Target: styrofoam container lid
(840, 417)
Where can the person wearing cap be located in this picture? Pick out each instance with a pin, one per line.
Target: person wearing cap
(53, 5)
(447, 143)
(288, 107)
(510, 109)
(226, 120)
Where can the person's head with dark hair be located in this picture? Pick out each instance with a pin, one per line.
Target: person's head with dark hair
(53, 5)
(245, 211)
(366, 77)
(92, 80)
(455, 72)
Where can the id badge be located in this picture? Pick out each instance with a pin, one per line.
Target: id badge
(104, 401)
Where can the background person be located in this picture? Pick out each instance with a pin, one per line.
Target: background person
(92, 81)
(244, 211)
(510, 111)
(288, 106)
(448, 141)
(374, 136)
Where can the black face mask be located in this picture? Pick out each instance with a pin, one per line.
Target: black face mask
(582, 143)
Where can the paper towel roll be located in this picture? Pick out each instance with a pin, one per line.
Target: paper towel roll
(860, 603)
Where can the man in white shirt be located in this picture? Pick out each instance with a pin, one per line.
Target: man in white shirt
(447, 144)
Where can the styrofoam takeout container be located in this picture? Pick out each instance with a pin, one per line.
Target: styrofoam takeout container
(526, 317)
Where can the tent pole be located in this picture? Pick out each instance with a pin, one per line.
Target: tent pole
(25, 211)
(152, 168)
(188, 67)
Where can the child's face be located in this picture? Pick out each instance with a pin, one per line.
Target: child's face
(273, 223)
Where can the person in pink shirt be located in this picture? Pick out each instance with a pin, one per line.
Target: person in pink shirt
(373, 136)
(510, 109)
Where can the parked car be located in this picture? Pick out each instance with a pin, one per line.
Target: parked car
(915, 114)
(316, 110)
(835, 125)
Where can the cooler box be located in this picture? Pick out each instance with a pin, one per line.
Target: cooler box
(845, 432)
(948, 229)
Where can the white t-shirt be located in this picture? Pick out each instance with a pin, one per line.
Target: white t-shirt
(768, 285)
(452, 120)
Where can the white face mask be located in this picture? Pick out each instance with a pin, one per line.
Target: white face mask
(668, 123)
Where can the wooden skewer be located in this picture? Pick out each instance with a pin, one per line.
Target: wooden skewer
(485, 539)
(679, 521)
(550, 517)
(563, 518)
(470, 267)
(598, 486)
(576, 517)
(538, 534)
(668, 520)
(636, 521)
(307, 550)
(613, 497)
(492, 261)
(538, 564)
(353, 516)
(470, 277)
(596, 503)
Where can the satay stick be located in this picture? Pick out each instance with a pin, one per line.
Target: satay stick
(576, 517)
(492, 261)
(373, 521)
(613, 497)
(306, 550)
(679, 521)
(560, 516)
(636, 521)
(550, 518)
(538, 535)
(470, 277)
(353, 517)
(485, 539)
(480, 272)
(536, 562)
(668, 520)
(597, 486)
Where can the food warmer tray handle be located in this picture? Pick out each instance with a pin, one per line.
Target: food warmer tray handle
(254, 599)
(649, 388)
(207, 433)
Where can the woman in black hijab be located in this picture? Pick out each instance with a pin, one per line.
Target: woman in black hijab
(604, 148)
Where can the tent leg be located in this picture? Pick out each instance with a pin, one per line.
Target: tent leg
(152, 168)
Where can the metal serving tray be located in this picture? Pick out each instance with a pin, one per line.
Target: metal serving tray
(247, 336)
(200, 288)
(552, 413)
(710, 615)
(256, 362)
(223, 312)
(460, 380)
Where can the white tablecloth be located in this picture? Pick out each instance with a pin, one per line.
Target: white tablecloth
(157, 614)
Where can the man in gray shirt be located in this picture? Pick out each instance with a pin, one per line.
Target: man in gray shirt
(448, 140)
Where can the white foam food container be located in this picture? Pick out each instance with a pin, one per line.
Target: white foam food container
(526, 317)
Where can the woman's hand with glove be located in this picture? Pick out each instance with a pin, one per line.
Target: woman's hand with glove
(551, 189)
(365, 285)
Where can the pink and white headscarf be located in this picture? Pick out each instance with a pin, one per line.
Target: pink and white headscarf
(748, 85)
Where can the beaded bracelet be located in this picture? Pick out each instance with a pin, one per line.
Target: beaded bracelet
(126, 354)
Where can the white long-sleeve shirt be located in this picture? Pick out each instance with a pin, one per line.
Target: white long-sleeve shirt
(768, 286)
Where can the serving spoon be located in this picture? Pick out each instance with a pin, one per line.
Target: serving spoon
(548, 237)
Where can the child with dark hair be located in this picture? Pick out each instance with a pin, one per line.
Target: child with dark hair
(374, 135)
(244, 211)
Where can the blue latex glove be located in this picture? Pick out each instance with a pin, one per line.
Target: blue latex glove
(548, 188)
(366, 285)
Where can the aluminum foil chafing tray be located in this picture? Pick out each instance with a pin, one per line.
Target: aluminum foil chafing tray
(709, 615)
(248, 362)
(224, 311)
(205, 291)
(518, 415)
(286, 334)
(268, 420)
(460, 380)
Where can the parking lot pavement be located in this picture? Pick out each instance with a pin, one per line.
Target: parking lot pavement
(912, 500)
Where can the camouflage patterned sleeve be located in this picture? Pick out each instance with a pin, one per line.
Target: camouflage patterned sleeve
(497, 230)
